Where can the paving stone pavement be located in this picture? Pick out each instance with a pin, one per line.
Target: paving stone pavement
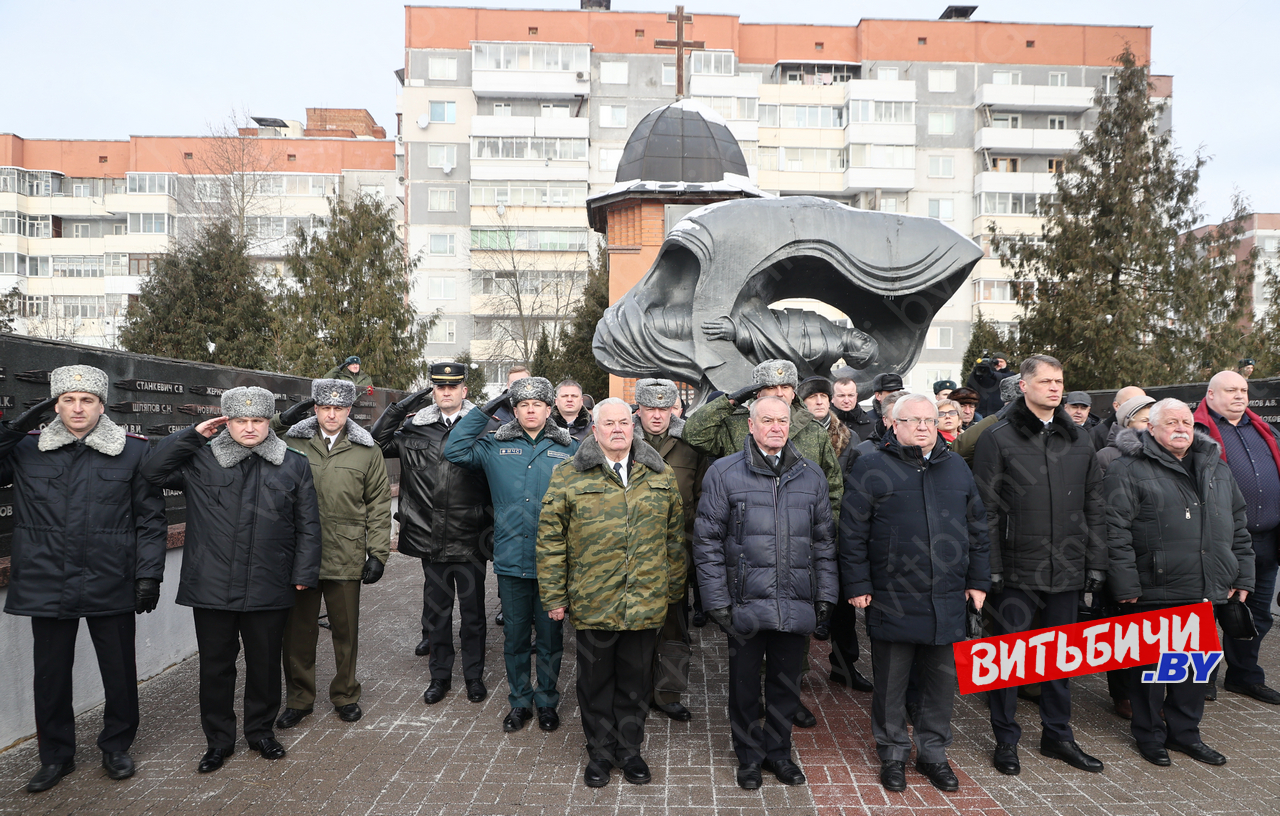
(406, 758)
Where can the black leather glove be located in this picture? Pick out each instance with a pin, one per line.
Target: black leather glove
(416, 401)
(373, 569)
(1094, 580)
(997, 583)
(824, 609)
(743, 394)
(146, 594)
(491, 407)
(30, 419)
(292, 416)
(720, 617)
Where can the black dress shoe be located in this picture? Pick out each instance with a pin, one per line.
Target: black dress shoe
(1258, 691)
(804, 717)
(698, 619)
(854, 679)
(516, 719)
(1197, 751)
(476, 692)
(1154, 753)
(423, 648)
(675, 711)
(940, 774)
(1211, 695)
(893, 775)
(1069, 752)
(119, 765)
(749, 776)
(269, 748)
(291, 717)
(636, 771)
(212, 759)
(349, 712)
(788, 772)
(436, 690)
(1005, 759)
(50, 775)
(596, 774)
(548, 719)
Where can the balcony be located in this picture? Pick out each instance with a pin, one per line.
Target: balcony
(881, 90)
(531, 70)
(578, 128)
(1065, 98)
(992, 182)
(1027, 140)
(889, 179)
(884, 133)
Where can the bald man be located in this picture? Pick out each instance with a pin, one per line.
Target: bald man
(1249, 447)
(1099, 433)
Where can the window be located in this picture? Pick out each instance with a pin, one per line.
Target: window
(1014, 203)
(37, 267)
(863, 155)
(730, 107)
(749, 152)
(668, 75)
(36, 306)
(812, 159)
(442, 155)
(712, 62)
(78, 266)
(157, 223)
(1006, 78)
(442, 200)
(445, 112)
(1057, 123)
(79, 230)
(525, 147)
(942, 124)
(613, 73)
(443, 331)
(613, 116)
(942, 81)
(889, 205)
(1002, 164)
(942, 209)
(1057, 165)
(82, 307)
(501, 108)
(528, 193)
(922, 40)
(119, 229)
(863, 110)
(1110, 84)
(117, 263)
(530, 57)
(442, 288)
(942, 167)
(810, 116)
(1011, 121)
(142, 264)
(1057, 79)
(887, 73)
(939, 337)
(442, 68)
(999, 291)
(550, 111)
(150, 183)
(609, 158)
(529, 240)
(440, 244)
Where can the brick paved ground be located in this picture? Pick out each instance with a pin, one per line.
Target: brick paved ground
(453, 758)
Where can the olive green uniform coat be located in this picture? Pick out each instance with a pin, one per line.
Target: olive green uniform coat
(614, 555)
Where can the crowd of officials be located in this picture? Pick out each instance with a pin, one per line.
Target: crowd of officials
(774, 512)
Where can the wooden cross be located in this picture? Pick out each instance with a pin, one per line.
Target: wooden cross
(680, 44)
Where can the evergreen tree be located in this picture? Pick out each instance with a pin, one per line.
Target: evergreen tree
(545, 362)
(578, 361)
(1114, 291)
(475, 379)
(10, 309)
(348, 293)
(204, 301)
(1263, 342)
(984, 338)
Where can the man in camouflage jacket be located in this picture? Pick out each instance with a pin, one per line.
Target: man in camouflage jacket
(611, 552)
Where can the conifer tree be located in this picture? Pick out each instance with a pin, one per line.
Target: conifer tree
(577, 359)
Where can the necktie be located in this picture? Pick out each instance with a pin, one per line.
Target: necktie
(617, 468)
(330, 440)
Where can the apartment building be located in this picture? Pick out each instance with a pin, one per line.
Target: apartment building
(509, 119)
(81, 220)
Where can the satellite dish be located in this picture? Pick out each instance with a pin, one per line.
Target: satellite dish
(423, 121)
(447, 168)
(502, 210)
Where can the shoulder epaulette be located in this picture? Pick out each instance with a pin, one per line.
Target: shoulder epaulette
(137, 436)
(295, 450)
(36, 432)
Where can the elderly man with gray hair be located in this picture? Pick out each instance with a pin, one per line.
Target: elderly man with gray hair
(1177, 534)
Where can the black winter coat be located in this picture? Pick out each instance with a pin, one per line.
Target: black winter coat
(253, 529)
(445, 513)
(913, 536)
(860, 423)
(1175, 540)
(580, 428)
(1043, 492)
(86, 525)
(764, 543)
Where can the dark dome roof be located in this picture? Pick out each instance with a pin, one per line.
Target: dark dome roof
(683, 141)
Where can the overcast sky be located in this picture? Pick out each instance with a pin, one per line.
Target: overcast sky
(94, 70)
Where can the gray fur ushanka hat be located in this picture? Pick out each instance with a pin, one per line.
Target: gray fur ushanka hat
(531, 388)
(655, 393)
(84, 378)
(248, 401)
(775, 372)
(341, 393)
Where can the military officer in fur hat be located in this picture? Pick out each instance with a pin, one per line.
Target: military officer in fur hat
(88, 542)
(252, 542)
(354, 497)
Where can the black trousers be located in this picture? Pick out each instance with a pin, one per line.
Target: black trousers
(935, 666)
(1241, 656)
(615, 682)
(1013, 611)
(1183, 703)
(782, 655)
(54, 651)
(444, 582)
(218, 635)
(844, 638)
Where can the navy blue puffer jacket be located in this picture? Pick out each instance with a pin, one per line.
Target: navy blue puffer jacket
(764, 541)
